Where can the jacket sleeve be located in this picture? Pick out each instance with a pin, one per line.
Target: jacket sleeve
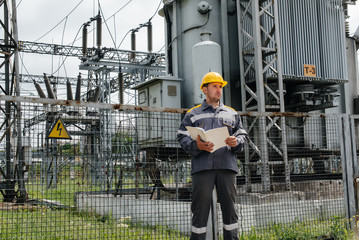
(240, 134)
(184, 138)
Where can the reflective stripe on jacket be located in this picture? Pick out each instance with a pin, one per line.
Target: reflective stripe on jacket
(206, 117)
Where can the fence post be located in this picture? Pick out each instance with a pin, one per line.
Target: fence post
(212, 224)
(346, 140)
(355, 160)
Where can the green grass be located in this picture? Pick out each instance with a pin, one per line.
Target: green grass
(49, 224)
(45, 223)
(66, 188)
(68, 223)
(335, 228)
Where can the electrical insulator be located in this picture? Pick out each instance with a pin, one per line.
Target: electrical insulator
(121, 87)
(39, 90)
(69, 90)
(84, 41)
(149, 36)
(96, 95)
(99, 31)
(133, 45)
(78, 88)
(50, 93)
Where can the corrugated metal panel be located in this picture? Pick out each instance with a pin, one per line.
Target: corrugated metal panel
(312, 32)
(332, 35)
(299, 36)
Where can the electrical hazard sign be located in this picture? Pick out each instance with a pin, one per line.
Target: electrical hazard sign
(58, 131)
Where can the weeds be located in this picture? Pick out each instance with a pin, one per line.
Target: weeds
(336, 228)
(64, 224)
(69, 223)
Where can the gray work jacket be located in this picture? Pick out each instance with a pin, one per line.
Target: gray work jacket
(206, 117)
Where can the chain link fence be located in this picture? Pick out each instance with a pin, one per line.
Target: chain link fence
(101, 171)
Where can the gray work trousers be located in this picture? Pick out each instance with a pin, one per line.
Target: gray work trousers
(202, 186)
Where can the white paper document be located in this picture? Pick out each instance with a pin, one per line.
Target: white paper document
(217, 136)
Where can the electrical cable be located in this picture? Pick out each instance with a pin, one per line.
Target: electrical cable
(161, 49)
(72, 44)
(114, 27)
(123, 38)
(113, 40)
(109, 17)
(60, 21)
(105, 22)
(62, 42)
(189, 30)
(66, 18)
(155, 11)
(119, 9)
(18, 4)
(142, 25)
(23, 65)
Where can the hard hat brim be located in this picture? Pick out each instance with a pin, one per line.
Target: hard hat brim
(224, 83)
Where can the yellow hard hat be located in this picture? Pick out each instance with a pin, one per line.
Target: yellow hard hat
(212, 77)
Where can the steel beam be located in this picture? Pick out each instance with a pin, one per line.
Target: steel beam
(259, 51)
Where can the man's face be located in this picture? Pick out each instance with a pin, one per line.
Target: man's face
(213, 91)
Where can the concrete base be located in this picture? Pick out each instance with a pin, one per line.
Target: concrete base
(176, 215)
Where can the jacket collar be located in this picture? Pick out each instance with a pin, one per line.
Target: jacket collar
(205, 105)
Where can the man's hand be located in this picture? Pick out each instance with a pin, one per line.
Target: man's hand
(205, 146)
(231, 141)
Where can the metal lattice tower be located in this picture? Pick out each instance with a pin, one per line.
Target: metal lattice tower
(13, 174)
(259, 55)
(135, 70)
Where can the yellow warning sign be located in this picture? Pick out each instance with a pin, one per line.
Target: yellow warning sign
(59, 131)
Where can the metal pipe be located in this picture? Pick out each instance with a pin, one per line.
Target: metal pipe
(169, 38)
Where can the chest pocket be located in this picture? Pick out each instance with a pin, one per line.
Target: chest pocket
(229, 124)
(199, 124)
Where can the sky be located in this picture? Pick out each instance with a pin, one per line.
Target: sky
(60, 22)
(353, 12)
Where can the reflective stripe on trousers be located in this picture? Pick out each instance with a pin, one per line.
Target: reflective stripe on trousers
(230, 227)
(199, 230)
(203, 183)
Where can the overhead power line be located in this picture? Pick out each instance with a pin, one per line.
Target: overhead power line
(65, 18)
(107, 18)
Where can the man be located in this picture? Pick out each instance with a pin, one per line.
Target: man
(213, 169)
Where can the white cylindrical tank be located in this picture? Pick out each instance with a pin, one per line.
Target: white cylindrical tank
(185, 21)
(206, 57)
